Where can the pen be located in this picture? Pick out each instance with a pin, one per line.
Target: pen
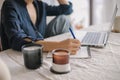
(72, 33)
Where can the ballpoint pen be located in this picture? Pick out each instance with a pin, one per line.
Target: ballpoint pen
(72, 33)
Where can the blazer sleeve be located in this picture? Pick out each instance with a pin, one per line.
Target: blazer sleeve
(59, 10)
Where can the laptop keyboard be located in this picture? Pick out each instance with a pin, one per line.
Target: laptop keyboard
(93, 38)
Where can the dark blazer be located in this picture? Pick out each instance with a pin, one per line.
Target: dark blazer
(17, 25)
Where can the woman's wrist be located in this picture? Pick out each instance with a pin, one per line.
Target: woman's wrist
(48, 45)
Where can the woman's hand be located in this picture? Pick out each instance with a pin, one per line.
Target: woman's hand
(73, 45)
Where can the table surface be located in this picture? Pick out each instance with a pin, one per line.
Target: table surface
(103, 65)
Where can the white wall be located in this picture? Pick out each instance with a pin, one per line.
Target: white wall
(118, 3)
(51, 2)
(81, 12)
(103, 10)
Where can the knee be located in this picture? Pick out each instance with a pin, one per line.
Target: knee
(64, 23)
(63, 18)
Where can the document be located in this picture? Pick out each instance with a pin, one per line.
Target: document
(83, 53)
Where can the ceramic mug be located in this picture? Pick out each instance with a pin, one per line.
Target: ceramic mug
(116, 27)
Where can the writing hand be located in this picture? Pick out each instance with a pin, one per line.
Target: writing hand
(73, 45)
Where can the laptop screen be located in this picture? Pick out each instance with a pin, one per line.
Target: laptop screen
(113, 17)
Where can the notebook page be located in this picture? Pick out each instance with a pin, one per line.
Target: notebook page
(84, 52)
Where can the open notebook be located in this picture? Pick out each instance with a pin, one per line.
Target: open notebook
(83, 53)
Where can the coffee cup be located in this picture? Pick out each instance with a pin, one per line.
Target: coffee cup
(116, 27)
(60, 61)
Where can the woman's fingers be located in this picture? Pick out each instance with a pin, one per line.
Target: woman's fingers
(73, 52)
(76, 41)
(74, 46)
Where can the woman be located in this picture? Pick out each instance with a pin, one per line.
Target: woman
(24, 22)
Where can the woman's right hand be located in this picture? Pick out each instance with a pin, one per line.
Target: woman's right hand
(73, 45)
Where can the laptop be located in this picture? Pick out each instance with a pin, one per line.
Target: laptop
(96, 39)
